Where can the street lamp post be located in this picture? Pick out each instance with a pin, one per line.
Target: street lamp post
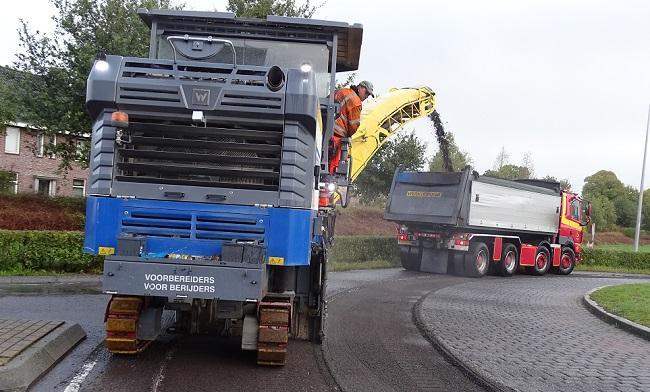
(638, 212)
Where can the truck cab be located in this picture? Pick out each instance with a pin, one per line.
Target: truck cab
(575, 215)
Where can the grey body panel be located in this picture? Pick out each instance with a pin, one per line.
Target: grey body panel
(161, 278)
(465, 201)
(427, 197)
(213, 23)
(501, 207)
(293, 113)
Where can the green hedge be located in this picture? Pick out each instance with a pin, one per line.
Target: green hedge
(62, 252)
(59, 251)
(359, 249)
(616, 258)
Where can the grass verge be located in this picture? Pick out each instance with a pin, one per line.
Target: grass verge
(372, 264)
(631, 301)
(612, 269)
(624, 247)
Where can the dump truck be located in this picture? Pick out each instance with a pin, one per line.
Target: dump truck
(209, 193)
(467, 224)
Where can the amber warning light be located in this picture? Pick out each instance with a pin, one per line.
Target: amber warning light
(120, 119)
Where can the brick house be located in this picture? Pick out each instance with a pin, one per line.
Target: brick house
(23, 154)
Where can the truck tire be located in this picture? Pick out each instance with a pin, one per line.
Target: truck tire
(410, 258)
(457, 263)
(509, 260)
(567, 261)
(477, 260)
(542, 261)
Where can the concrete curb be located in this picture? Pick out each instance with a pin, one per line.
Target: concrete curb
(49, 279)
(28, 366)
(486, 382)
(609, 275)
(618, 321)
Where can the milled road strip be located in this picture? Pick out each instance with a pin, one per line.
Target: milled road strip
(621, 322)
(533, 334)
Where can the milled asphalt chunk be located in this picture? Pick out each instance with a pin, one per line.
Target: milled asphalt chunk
(533, 334)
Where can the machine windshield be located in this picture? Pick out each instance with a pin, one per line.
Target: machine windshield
(260, 53)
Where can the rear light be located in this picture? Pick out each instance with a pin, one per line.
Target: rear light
(403, 237)
(120, 119)
(461, 239)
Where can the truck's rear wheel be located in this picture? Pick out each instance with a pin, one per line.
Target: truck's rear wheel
(477, 260)
(410, 258)
(542, 261)
(509, 260)
(567, 261)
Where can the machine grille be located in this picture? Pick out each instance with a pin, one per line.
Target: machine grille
(199, 225)
(217, 155)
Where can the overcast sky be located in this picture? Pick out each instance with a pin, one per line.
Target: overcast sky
(567, 81)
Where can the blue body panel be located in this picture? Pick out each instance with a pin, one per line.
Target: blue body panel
(198, 229)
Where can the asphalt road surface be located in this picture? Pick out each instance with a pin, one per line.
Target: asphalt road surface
(372, 344)
(373, 341)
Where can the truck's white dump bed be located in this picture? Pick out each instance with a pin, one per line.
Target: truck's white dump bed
(502, 207)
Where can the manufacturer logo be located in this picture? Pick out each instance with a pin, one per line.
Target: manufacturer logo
(422, 194)
(200, 96)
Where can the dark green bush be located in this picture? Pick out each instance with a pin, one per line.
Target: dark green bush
(616, 258)
(357, 249)
(57, 251)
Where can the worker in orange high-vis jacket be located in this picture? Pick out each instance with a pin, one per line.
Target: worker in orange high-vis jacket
(349, 119)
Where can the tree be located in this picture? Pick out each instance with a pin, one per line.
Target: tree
(626, 207)
(564, 183)
(509, 172)
(527, 162)
(503, 158)
(624, 198)
(55, 67)
(349, 80)
(645, 211)
(603, 213)
(262, 8)
(459, 158)
(8, 89)
(603, 183)
(404, 149)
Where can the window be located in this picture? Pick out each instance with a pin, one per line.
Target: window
(40, 145)
(12, 140)
(52, 155)
(78, 188)
(45, 186)
(575, 210)
(14, 183)
(80, 150)
(8, 182)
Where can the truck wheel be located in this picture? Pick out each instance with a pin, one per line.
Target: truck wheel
(567, 261)
(457, 263)
(410, 259)
(542, 261)
(477, 260)
(509, 260)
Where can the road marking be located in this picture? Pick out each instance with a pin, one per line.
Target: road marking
(157, 380)
(79, 378)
